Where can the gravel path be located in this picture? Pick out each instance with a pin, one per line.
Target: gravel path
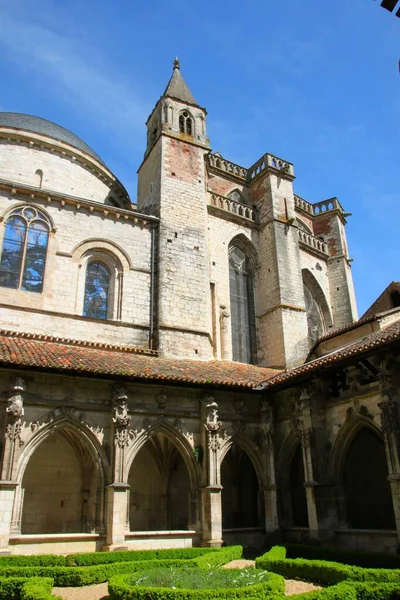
(88, 592)
(100, 591)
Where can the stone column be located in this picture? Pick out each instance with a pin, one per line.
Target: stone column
(117, 496)
(211, 491)
(226, 342)
(390, 419)
(268, 454)
(118, 492)
(303, 426)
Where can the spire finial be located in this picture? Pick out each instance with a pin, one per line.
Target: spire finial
(176, 63)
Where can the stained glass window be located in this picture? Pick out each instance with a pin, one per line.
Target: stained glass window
(97, 287)
(315, 320)
(23, 257)
(242, 306)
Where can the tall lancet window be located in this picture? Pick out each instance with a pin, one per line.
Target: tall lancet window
(242, 306)
(315, 319)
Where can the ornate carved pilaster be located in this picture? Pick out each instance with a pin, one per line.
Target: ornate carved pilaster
(302, 422)
(14, 424)
(212, 436)
(390, 420)
(121, 431)
(266, 443)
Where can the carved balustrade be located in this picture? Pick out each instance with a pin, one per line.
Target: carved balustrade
(217, 162)
(232, 206)
(269, 161)
(310, 241)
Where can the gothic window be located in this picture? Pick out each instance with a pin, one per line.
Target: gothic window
(242, 306)
(97, 288)
(315, 320)
(23, 257)
(185, 123)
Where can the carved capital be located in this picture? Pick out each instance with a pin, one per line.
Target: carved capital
(14, 431)
(123, 437)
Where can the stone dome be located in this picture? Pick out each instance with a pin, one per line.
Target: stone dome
(44, 127)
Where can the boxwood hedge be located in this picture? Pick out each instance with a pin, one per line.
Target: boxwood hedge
(348, 557)
(326, 572)
(99, 573)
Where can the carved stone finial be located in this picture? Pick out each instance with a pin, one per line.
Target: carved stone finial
(212, 423)
(176, 63)
(15, 406)
(121, 416)
(162, 399)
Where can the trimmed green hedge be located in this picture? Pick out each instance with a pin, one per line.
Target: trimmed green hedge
(33, 560)
(328, 573)
(38, 588)
(79, 576)
(220, 556)
(120, 589)
(98, 558)
(348, 557)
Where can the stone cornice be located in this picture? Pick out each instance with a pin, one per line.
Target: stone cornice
(48, 196)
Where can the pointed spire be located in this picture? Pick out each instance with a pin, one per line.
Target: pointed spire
(177, 87)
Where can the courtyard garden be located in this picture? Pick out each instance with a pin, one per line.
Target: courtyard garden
(201, 574)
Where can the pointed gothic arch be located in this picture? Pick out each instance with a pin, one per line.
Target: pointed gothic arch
(242, 263)
(319, 316)
(163, 461)
(358, 468)
(242, 479)
(290, 473)
(62, 473)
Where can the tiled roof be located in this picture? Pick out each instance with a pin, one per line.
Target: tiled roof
(334, 332)
(55, 354)
(369, 343)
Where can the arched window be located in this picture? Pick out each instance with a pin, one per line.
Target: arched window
(23, 257)
(315, 319)
(185, 123)
(97, 287)
(242, 306)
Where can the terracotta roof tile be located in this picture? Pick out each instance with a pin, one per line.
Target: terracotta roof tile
(57, 354)
(369, 343)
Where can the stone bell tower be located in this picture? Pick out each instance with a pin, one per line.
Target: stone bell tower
(171, 185)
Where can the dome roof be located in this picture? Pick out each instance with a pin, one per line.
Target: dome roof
(44, 127)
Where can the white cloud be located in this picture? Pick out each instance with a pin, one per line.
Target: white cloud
(71, 67)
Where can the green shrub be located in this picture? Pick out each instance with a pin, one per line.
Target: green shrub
(325, 572)
(219, 557)
(97, 558)
(120, 589)
(38, 589)
(347, 557)
(79, 576)
(10, 588)
(43, 560)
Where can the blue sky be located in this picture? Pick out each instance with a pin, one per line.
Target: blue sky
(313, 82)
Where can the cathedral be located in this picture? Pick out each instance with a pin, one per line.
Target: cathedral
(187, 369)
